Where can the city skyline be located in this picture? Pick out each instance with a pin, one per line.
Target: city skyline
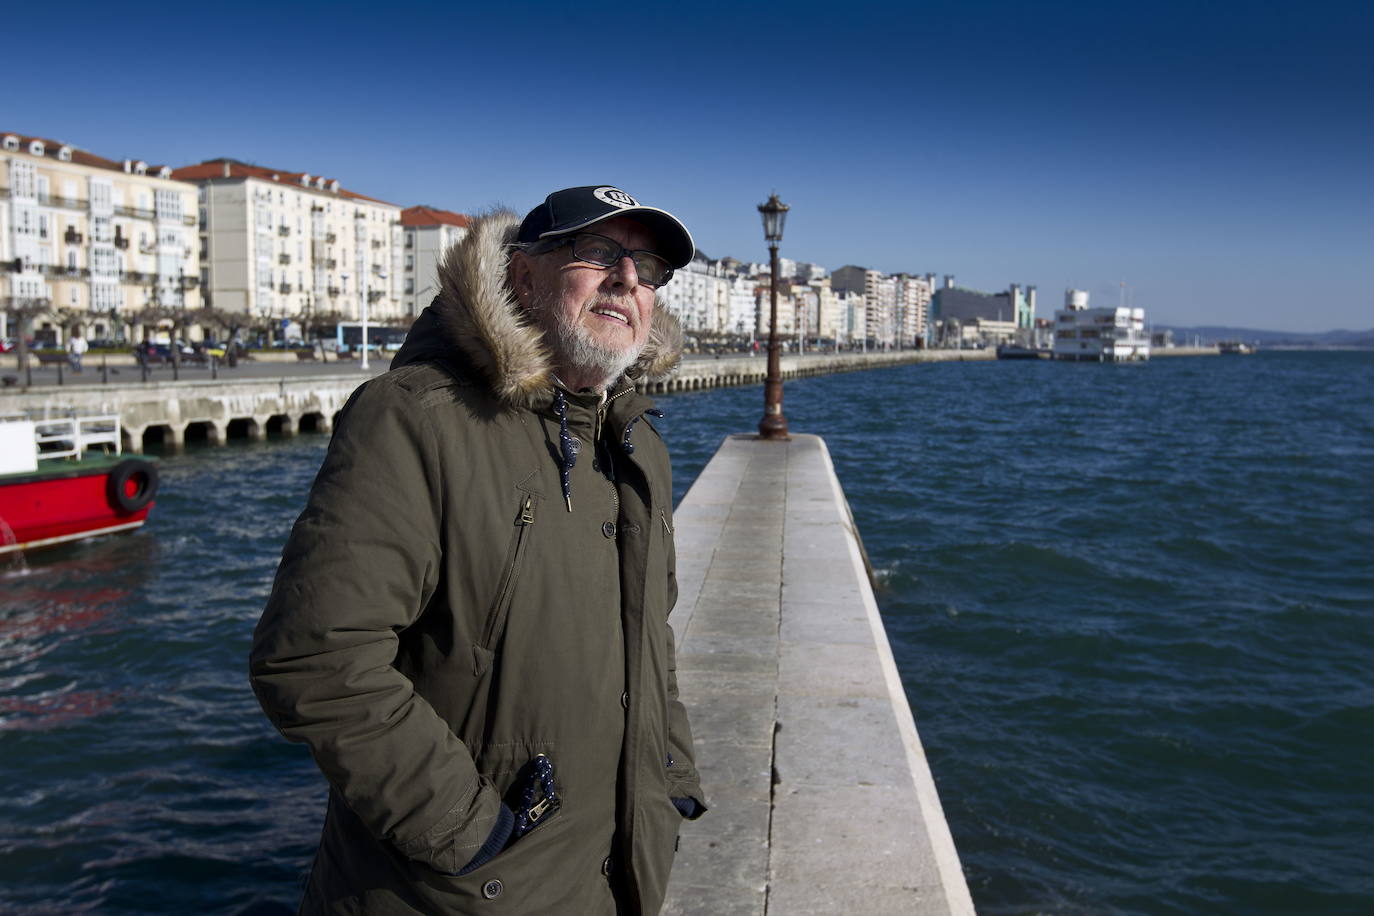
(1212, 159)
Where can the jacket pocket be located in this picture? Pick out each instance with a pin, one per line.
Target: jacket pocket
(484, 651)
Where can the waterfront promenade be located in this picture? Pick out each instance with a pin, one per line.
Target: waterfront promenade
(280, 394)
(284, 396)
(821, 798)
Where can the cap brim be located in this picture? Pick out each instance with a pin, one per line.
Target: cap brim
(675, 243)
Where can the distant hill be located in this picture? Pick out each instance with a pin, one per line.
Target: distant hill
(1213, 333)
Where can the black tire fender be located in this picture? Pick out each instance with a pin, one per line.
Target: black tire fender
(142, 474)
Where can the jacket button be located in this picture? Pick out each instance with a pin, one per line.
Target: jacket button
(492, 889)
(607, 867)
(608, 529)
(625, 699)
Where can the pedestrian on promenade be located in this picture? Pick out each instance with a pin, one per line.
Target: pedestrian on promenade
(76, 348)
(469, 623)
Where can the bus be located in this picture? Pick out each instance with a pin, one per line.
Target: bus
(349, 336)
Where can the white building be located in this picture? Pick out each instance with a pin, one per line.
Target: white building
(291, 246)
(91, 243)
(1112, 334)
(429, 233)
(699, 295)
(912, 309)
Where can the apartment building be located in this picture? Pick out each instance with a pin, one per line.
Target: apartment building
(428, 233)
(90, 243)
(912, 308)
(292, 246)
(993, 317)
(880, 301)
(699, 295)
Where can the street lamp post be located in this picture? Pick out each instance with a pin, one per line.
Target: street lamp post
(362, 303)
(774, 424)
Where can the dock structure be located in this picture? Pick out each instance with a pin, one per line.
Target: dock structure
(821, 800)
(171, 412)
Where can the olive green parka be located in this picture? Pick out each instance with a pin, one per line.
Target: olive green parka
(440, 617)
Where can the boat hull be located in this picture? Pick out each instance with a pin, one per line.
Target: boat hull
(51, 506)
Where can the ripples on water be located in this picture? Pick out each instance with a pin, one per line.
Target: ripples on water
(1131, 606)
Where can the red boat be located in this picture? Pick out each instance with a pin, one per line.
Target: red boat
(63, 479)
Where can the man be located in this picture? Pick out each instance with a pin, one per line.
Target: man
(76, 348)
(469, 624)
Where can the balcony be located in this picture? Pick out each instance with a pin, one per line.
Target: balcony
(375, 295)
(283, 231)
(284, 288)
(121, 242)
(376, 243)
(148, 248)
(133, 276)
(190, 220)
(72, 237)
(283, 258)
(333, 292)
(134, 212)
(330, 264)
(65, 273)
(65, 203)
(330, 238)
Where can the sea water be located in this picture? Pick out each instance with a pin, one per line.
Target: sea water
(1131, 606)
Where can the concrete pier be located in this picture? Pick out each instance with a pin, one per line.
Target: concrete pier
(821, 798)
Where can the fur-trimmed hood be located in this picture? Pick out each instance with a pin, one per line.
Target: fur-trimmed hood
(476, 315)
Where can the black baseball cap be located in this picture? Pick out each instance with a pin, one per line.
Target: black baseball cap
(575, 209)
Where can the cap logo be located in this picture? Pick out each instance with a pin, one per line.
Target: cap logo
(615, 197)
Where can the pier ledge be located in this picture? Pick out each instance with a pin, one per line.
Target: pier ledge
(821, 798)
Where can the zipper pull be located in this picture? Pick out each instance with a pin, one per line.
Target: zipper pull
(662, 517)
(527, 513)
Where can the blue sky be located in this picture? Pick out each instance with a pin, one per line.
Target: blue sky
(1215, 157)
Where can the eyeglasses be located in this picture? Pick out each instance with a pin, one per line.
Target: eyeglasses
(651, 269)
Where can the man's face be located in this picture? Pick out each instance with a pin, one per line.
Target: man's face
(595, 319)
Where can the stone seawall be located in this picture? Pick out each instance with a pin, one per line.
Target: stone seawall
(696, 373)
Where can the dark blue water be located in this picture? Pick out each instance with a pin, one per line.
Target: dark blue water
(1132, 607)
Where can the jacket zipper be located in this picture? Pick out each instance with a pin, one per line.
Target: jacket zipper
(502, 608)
(596, 443)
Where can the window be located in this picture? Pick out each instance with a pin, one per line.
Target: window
(103, 262)
(71, 259)
(410, 285)
(410, 262)
(42, 225)
(168, 205)
(22, 178)
(76, 294)
(105, 297)
(100, 196)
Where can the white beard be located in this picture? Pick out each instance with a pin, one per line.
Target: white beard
(576, 349)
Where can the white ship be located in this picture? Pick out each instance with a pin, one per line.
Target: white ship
(1106, 335)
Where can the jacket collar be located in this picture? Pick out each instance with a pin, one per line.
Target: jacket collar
(475, 318)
